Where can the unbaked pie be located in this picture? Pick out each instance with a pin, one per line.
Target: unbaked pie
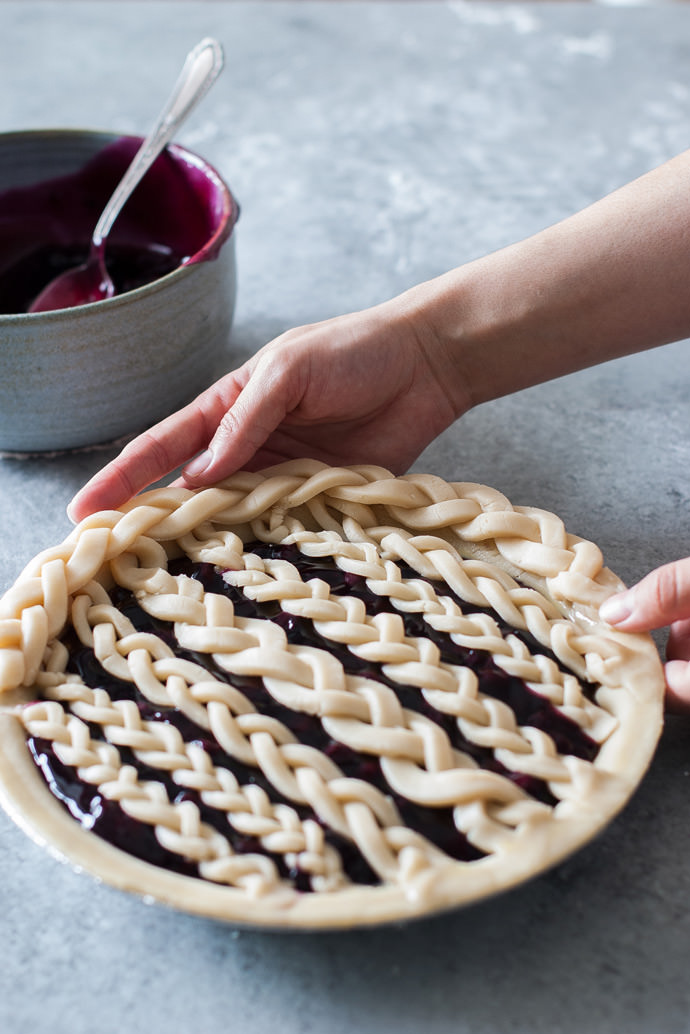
(320, 697)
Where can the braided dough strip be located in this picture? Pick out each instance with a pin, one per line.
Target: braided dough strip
(178, 827)
(168, 681)
(352, 808)
(442, 530)
(264, 501)
(364, 715)
(382, 639)
(425, 745)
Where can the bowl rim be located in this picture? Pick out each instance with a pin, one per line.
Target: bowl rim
(230, 213)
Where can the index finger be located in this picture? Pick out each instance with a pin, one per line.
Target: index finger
(156, 452)
(662, 597)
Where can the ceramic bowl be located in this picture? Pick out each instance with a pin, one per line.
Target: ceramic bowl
(101, 371)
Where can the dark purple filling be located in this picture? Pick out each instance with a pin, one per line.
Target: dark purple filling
(181, 212)
(107, 820)
(102, 816)
(130, 266)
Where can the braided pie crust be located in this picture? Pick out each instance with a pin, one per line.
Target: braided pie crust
(500, 582)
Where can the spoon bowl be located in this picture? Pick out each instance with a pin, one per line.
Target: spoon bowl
(82, 285)
(92, 373)
(91, 281)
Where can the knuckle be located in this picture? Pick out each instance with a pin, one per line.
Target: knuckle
(140, 460)
(127, 484)
(227, 426)
(153, 447)
(666, 590)
(670, 588)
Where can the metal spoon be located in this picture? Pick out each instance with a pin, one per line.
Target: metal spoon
(91, 281)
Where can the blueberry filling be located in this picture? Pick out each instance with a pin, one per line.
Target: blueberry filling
(108, 820)
(103, 817)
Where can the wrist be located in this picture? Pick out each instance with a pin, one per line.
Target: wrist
(474, 333)
(431, 314)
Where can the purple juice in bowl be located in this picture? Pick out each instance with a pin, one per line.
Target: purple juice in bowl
(99, 371)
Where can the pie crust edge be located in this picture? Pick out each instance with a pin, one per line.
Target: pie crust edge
(577, 587)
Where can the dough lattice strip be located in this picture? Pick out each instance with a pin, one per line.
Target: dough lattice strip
(394, 852)
(344, 620)
(573, 570)
(346, 724)
(298, 772)
(361, 713)
(531, 753)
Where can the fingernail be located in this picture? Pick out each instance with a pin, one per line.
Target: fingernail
(70, 512)
(199, 464)
(616, 609)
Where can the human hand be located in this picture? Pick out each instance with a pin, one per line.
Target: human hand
(361, 388)
(377, 386)
(661, 599)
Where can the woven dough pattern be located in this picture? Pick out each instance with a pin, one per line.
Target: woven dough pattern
(366, 521)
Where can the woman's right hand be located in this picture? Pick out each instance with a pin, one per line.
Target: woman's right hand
(360, 388)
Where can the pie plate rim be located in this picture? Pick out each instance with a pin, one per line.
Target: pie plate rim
(533, 850)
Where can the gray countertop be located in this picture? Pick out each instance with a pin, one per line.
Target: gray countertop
(373, 145)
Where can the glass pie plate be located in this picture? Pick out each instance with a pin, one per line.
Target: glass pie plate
(319, 697)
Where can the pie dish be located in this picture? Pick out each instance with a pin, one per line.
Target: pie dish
(318, 697)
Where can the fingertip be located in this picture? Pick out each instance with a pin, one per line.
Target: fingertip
(618, 609)
(626, 612)
(678, 686)
(196, 468)
(207, 468)
(109, 488)
(228, 451)
(79, 506)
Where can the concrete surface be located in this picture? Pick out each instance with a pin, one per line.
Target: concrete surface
(373, 145)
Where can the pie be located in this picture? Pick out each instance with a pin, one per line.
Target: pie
(319, 697)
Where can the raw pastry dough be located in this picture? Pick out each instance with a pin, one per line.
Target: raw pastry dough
(277, 848)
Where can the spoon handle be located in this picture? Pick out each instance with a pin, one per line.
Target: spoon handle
(202, 66)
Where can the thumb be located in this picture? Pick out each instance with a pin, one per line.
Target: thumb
(662, 597)
(256, 412)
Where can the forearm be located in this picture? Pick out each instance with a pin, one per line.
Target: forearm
(377, 386)
(612, 280)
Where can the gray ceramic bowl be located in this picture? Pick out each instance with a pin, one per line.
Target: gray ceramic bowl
(100, 371)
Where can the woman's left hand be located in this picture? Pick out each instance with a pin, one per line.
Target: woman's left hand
(661, 599)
